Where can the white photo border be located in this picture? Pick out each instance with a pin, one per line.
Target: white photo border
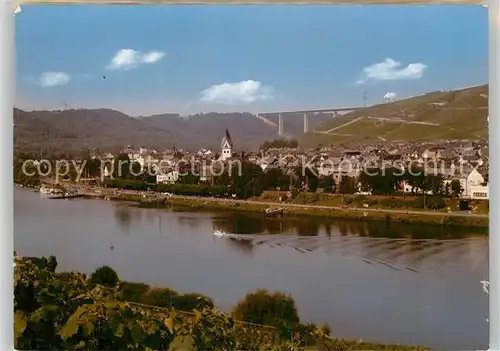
(494, 144)
(6, 178)
(7, 91)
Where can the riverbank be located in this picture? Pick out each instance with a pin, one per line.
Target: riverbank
(387, 215)
(330, 208)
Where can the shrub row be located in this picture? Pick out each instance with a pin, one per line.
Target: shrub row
(177, 189)
(162, 297)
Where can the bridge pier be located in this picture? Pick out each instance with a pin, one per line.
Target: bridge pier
(306, 123)
(281, 130)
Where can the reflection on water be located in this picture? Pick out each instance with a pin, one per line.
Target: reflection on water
(392, 245)
(311, 226)
(347, 273)
(374, 242)
(123, 218)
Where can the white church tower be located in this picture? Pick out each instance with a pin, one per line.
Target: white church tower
(226, 147)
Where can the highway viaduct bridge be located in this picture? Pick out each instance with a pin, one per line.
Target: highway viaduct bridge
(280, 114)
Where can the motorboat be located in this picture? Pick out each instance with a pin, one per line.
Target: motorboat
(219, 233)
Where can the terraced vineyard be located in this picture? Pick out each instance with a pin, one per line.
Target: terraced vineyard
(460, 114)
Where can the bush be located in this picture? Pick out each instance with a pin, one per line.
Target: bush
(192, 301)
(327, 330)
(40, 262)
(432, 202)
(263, 307)
(105, 276)
(134, 292)
(394, 203)
(307, 198)
(161, 297)
(165, 297)
(52, 264)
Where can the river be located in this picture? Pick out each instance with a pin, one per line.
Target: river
(367, 280)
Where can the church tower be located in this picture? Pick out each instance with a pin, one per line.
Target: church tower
(226, 147)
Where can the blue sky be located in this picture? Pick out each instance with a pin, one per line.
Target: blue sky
(188, 59)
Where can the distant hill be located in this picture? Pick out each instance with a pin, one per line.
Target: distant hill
(459, 114)
(109, 130)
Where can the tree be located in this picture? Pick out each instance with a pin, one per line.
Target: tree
(456, 188)
(136, 171)
(263, 307)
(104, 276)
(348, 185)
(447, 189)
(279, 144)
(122, 166)
(224, 179)
(249, 182)
(189, 178)
(275, 178)
(311, 180)
(435, 183)
(380, 181)
(327, 183)
(93, 167)
(52, 263)
(416, 178)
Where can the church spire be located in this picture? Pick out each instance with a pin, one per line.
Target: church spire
(227, 138)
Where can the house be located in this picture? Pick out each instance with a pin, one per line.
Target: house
(430, 154)
(472, 181)
(168, 178)
(448, 154)
(407, 188)
(226, 147)
(326, 168)
(479, 192)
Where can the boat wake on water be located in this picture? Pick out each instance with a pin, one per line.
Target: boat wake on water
(219, 234)
(394, 253)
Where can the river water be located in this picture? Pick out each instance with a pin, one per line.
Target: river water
(371, 281)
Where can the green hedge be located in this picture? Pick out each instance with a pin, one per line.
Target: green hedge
(163, 297)
(177, 189)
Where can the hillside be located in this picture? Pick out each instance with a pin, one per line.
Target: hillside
(74, 130)
(459, 114)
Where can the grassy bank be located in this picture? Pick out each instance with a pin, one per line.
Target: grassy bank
(208, 204)
(67, 311)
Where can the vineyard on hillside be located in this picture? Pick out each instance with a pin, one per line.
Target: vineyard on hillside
(67, 311)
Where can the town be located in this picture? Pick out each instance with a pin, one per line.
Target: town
(458, 168)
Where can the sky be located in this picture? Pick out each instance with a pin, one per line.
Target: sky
(144, 60)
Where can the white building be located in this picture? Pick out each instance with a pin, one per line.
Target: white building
(479, 192)
(226, 147)
(107, 173)
(474, 179)
(169, 178)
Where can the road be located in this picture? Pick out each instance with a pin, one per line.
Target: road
(281, 204)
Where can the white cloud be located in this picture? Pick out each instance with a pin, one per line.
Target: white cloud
(247, 91)
(126, 59)
(51, 79)
(392, 70)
